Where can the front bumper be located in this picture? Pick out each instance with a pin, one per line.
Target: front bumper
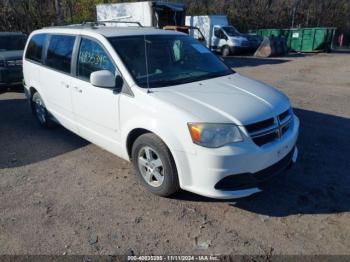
(251, 180)
(235, 49)
(11, 76)
(236, 171)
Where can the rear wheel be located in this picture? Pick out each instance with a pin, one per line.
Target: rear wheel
(154, 165)
(40, 112)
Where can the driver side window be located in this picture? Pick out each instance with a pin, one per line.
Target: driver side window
(92, 57)
(218, 33)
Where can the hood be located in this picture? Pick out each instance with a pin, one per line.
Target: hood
(252, 37)
(239, 38)
(227, 99)
(11, 55)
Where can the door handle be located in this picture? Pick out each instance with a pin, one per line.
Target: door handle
(78, 89)
(65, 84)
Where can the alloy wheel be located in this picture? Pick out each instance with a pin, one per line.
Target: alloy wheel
(40, 111)
(151, 166)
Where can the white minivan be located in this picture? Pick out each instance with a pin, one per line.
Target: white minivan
(164, 102)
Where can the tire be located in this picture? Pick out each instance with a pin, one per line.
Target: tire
(225, 51)
(40, 112)
(154, 165)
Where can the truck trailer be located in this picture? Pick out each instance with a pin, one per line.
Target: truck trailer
(148, 13)
(220, 36)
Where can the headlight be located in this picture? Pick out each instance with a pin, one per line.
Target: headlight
(214, 135)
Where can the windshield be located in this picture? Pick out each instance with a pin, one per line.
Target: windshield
(171, 60)
(231, 31)
(12, 42)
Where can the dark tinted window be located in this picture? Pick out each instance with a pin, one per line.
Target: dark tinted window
(59, 53)
(92, 58)
(35, 47)
(12, 42)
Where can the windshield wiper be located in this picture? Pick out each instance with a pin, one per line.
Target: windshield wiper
(157, 84)
(165, 82)
(210, 76)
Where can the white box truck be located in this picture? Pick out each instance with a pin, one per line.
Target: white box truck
(220, 36)
(148, 13)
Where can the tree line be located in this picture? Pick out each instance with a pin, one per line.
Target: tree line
(27, 15)
(254, 14)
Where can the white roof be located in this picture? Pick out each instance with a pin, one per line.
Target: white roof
(107, 31)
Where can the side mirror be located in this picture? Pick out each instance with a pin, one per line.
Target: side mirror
(103, 78)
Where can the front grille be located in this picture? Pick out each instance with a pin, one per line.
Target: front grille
(14, 63)
(260, 125)
(284, 115)
(265, 139)
(285, 128)
(11, 75)
(269, 130)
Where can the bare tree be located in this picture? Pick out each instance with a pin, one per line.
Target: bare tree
(27, 15)
(59, 13)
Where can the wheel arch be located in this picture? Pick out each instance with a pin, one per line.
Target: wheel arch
(224, 47)
(132, 136)
(137, 132)
(32, 90)
(173, 136)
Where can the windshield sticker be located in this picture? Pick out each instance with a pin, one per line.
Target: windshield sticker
(200, 48)
(92, 58)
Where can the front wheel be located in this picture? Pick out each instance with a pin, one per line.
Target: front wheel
(154, 165)
(225, 51)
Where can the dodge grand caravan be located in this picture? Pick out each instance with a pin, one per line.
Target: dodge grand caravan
(163, 101)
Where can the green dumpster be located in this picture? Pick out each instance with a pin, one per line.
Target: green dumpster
(304, 39)
(270, 32)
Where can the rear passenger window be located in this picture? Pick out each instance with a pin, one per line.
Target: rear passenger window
(92, 58)
(35, 47)
(59, 53)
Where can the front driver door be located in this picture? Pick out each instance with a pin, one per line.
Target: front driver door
(96, 109)
(219, 39)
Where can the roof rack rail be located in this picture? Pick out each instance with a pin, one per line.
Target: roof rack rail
(95, 24)
(104, 22)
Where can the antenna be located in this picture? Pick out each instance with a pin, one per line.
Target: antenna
(146, 60)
